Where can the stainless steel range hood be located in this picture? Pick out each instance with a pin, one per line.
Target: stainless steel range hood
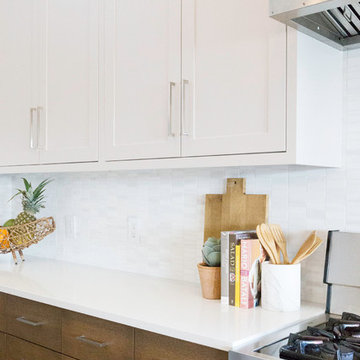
(334, 22)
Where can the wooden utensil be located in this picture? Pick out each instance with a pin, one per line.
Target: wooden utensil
(314, 247)
(265, 244)
(269, 238)
(278, 251)
(305, 248)
(235, 210)
(280, 241)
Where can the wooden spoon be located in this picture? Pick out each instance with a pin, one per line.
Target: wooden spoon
(316, 245)
(280, 241)
(265, 245)
(278, 251)
(269, 238)
(305, 248)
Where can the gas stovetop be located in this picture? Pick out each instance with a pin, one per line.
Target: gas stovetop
(268, 347)
(330, 336)
(337, 339)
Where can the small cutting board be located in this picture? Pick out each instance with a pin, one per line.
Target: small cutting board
(213, 209)
(234, 210)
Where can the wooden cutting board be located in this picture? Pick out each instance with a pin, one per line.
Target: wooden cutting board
(234, 210)
(213, 209)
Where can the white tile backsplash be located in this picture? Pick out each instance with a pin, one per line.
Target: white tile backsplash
(92, 209)
(6, 190)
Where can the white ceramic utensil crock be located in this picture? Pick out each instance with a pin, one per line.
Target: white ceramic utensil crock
(281, 287)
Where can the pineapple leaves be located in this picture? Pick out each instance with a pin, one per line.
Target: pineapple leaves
(20, 192)
(32, 200)
(27, 184)
(41, 188)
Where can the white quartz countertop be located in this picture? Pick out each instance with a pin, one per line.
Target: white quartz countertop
(168, 307)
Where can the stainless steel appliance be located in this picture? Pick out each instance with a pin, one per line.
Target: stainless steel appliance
(335, 22)
(342, 276)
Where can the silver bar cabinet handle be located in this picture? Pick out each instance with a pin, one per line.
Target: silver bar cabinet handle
(39, 110)
(85, 340)
(170, 123)
(32, 111)
(23, 320)
(183, 115)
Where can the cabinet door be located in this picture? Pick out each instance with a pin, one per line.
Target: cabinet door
(3, 346)
(36, 322)
(18, 349)
(88, 338)
(18, 84)
(69, 86)
(150, 346)
(234, 71)
(142, 79)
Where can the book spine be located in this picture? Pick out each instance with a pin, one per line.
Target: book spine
(225, 267)
(237, 274)
(232, 261)
(250, 273)
(244, 273)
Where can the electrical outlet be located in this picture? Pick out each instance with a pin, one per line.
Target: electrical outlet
(133, 229)
(70, 226)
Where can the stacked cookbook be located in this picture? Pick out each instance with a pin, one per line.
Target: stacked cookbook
(241, 258)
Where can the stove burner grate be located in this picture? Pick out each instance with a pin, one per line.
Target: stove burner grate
(338, 339)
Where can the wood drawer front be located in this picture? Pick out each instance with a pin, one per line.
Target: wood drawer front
(88, 338)
(17, 349)
(2, 346)
(33, 321)
(150, 346)
(2, 312)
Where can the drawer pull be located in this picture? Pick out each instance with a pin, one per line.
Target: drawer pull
(29, 322)
(85, 340)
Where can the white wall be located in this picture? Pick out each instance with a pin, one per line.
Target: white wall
(6, 189)
(169, 205)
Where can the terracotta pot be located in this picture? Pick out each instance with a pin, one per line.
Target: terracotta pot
(210, 279)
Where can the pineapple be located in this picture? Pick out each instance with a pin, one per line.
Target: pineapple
(32, 201)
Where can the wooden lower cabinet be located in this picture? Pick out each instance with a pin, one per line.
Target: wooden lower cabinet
(36, 331)
(88, 338)
(2, 346)
(36, 322)
(2, 312)
(150, 346)
(17, 349)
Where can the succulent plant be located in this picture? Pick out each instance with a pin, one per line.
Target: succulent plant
(211, 252)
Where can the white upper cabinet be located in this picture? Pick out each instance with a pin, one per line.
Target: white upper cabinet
(49, 66)
(234, 72)
(18, 82)
(92, 84)
(68, 105)
(142, 79)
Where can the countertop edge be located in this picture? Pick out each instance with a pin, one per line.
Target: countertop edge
(170, 308)
(158, 329)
